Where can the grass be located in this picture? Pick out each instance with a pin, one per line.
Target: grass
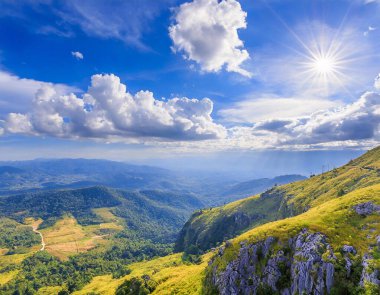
(170, 272)
(359, 173)
(7, 276)
(49, 290)
(6, 260)
(66, 237)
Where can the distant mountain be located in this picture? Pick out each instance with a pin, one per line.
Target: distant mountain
(10, 170)
(21, 176)
(253, 187)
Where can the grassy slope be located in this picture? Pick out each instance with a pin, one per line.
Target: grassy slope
(211, 227)
(334, 218)
(172, 274)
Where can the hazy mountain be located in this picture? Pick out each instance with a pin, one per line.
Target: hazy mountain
(255, 186)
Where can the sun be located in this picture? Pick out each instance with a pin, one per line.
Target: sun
(324, 65)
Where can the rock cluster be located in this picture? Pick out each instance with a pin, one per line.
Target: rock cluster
(369, 274)
(303, 265)
(367, 208)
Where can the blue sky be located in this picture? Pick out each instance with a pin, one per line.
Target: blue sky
(201, 76)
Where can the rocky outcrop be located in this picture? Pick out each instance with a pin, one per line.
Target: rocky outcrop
(310, 272)
(346, 249)
(302, 265)
(367, 208)
(370, 274)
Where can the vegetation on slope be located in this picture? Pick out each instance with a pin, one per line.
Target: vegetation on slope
(208, 228)
(84, 239)
(14, 235)
(336, 219)
(171, 274)
(52, 205)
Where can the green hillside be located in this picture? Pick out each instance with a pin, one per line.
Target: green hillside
(208, 228)
(340, 226)
(336, 220)
(87, 232)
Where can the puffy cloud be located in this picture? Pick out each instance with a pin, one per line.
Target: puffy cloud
(16, 94)
(377, 82)
(108, 111)
(206, 31)
(354, 122)
(77, 54)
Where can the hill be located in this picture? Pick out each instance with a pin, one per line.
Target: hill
(86, 232)
(208, 228)
(333, 248)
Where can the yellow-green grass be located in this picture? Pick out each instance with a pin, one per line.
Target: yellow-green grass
(49, 290)
(171, 273)
(111, 221)
(336, 219)
(66, 237)
(107, 215)
(7, 276)
(6, 260)
(34, 223)
(359, 173)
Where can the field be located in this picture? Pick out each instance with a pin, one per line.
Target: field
(66, 237)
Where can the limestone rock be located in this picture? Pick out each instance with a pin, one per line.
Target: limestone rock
(367, 208)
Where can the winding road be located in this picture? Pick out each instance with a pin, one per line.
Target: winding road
(35, 229)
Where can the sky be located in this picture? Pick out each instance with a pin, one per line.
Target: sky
(148, 80)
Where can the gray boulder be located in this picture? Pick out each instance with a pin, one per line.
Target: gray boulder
(367, 208)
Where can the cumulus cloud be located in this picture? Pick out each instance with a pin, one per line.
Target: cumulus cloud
(17, 94)
(108, 111)
(354, 122)
(206, 31)
(78, 55)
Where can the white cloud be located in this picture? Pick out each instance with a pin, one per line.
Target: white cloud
(273, 107)
(78, 55)
(108, 111)
(377, 82)
(16, 94)
(358, 121)
(206, 31)
(369, 30)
